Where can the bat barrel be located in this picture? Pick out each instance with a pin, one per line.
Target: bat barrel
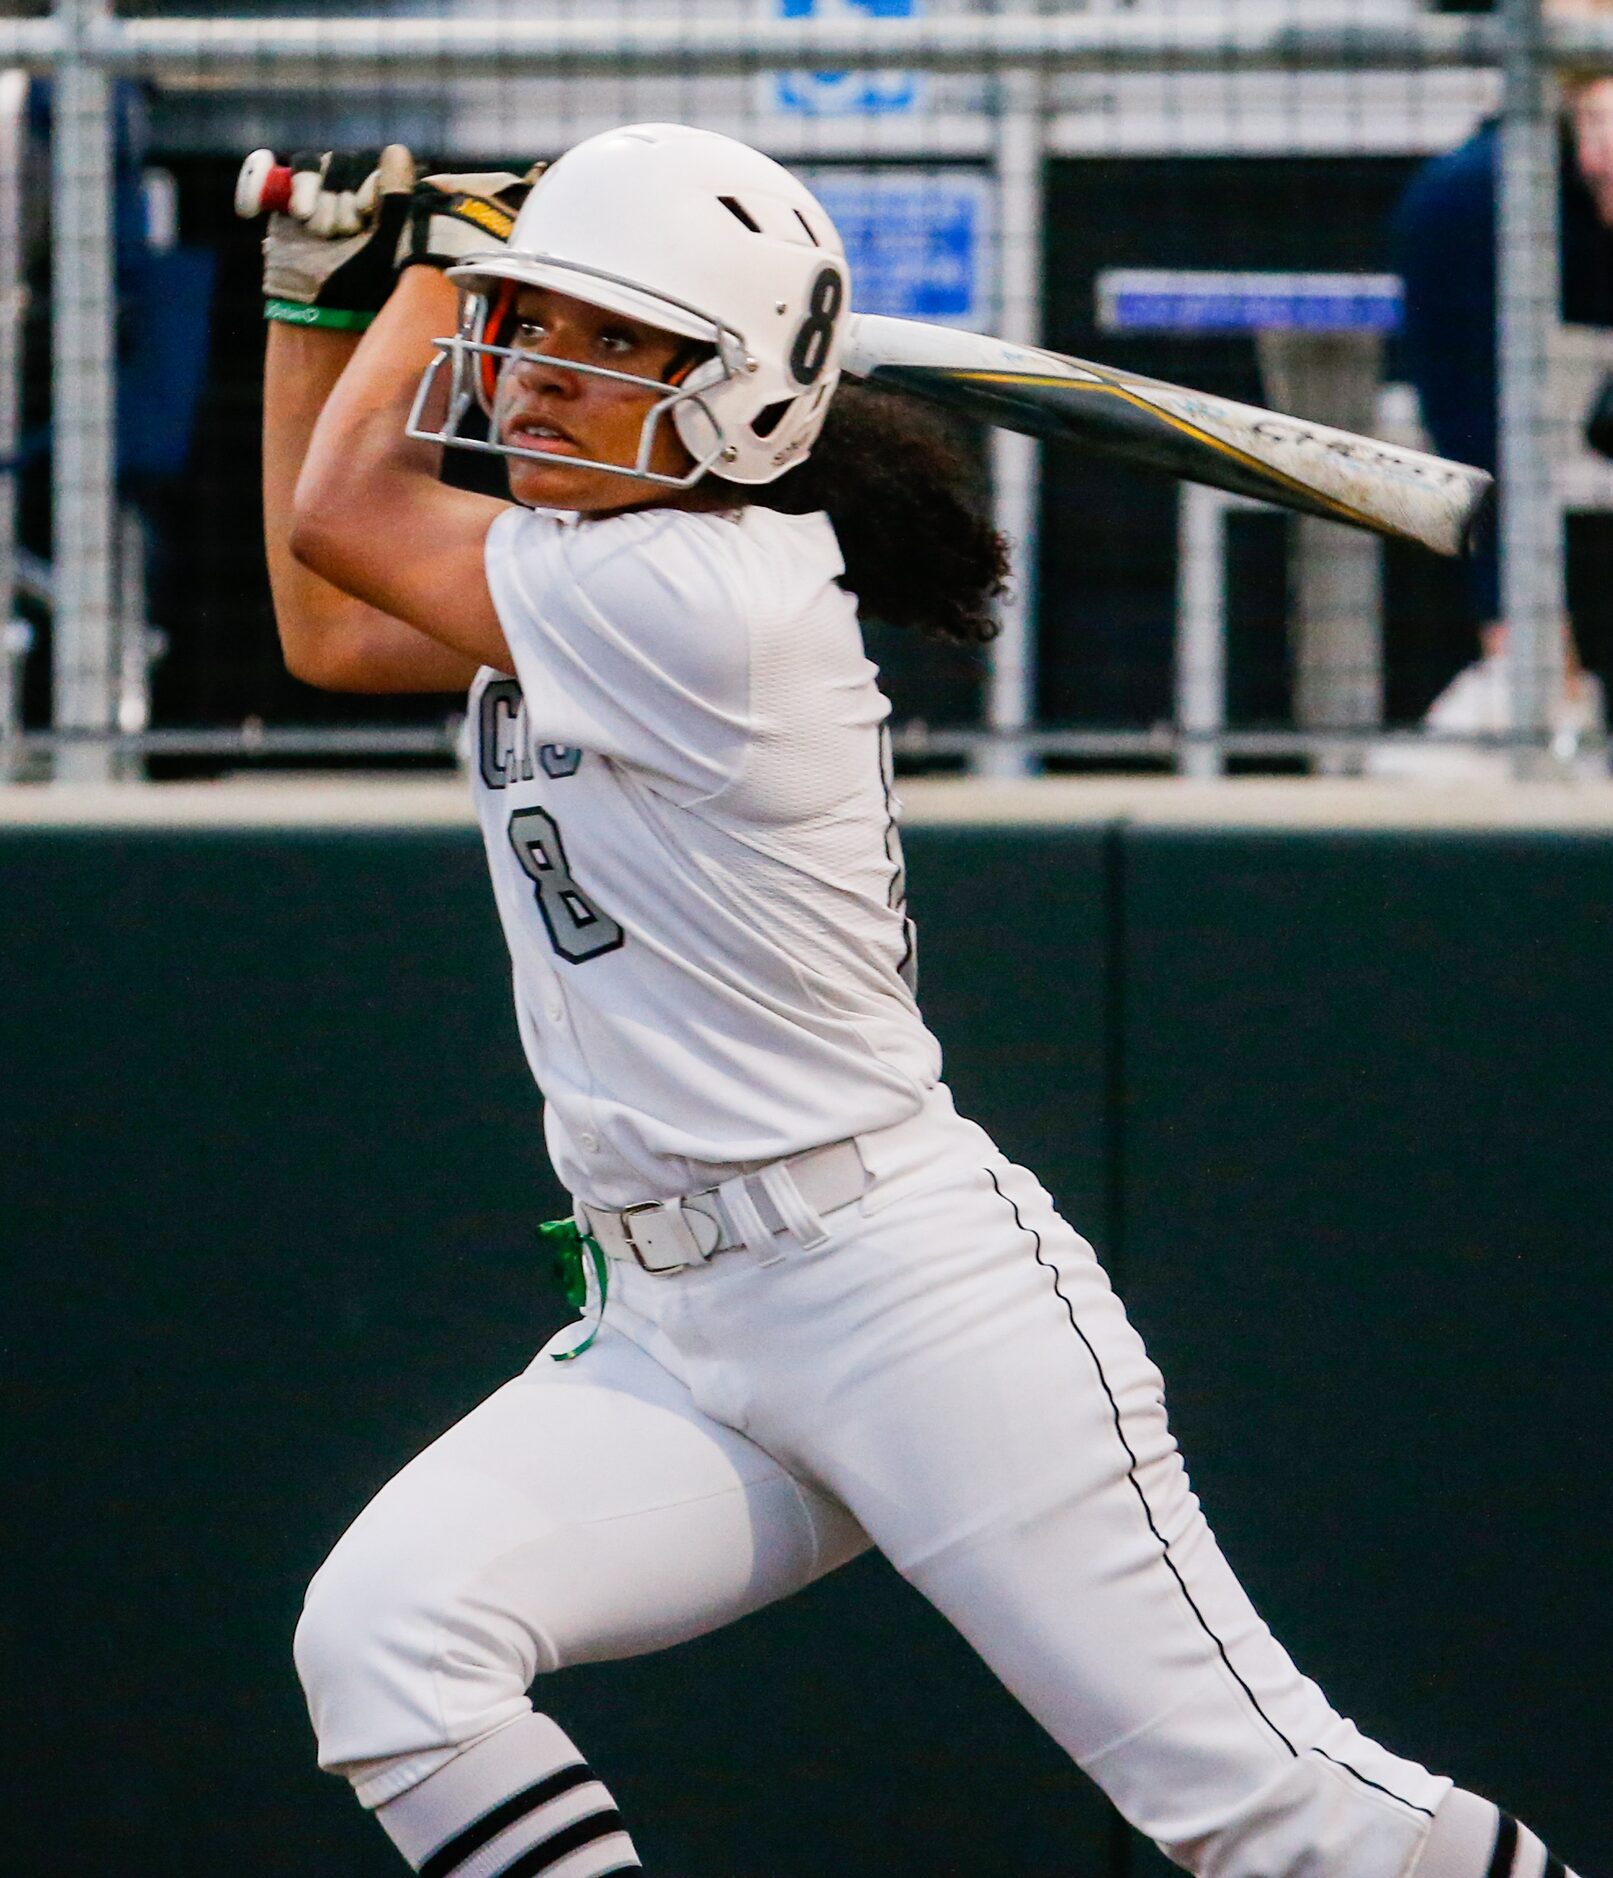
(1313, 469)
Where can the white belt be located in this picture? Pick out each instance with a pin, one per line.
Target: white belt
(784, 1196)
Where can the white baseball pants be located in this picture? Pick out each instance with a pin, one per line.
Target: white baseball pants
(948, 1376)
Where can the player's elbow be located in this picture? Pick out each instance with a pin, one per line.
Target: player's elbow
(325, 664)
(335, 654)
(322, 637)
(319, 542)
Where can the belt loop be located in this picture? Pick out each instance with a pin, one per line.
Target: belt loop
(746, 1219)
(778, 1183)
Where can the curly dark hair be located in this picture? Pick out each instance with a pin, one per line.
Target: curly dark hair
(900, 489)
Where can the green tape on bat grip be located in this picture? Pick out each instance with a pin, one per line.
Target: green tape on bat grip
(333, 318)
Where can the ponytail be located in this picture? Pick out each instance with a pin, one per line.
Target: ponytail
(901, 493)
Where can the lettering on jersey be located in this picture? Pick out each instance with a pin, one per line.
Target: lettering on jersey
(504, 747)
(501, 739)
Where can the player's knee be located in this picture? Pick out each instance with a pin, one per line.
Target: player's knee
(397, 1657)
(1313, 1815)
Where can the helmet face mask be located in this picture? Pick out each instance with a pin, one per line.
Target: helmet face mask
(478, 369)
(509, 390)
(698, 236)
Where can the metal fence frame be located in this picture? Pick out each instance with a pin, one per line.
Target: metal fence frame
(84, 47)
(13, 308)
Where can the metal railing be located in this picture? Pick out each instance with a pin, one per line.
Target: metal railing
(536, 44)
(83, 46)
(14, 634)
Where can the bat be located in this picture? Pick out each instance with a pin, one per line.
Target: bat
(1290, 462)
(1194, 435)
(263, 187)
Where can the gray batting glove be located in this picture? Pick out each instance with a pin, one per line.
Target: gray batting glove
(329, 261)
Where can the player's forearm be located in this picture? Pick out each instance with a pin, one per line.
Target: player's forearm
(329, 637)
(371, 514)
(300, 367)
(361, 462)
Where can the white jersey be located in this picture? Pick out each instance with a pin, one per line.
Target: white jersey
(686, 803)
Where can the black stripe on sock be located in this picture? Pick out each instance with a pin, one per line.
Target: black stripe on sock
(517, 1806)
(1148, 1511)
(1506, 1846)
(550, 1851)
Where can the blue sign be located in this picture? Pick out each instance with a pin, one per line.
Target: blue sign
(918, 242)
(1188, 300)
(846, 94)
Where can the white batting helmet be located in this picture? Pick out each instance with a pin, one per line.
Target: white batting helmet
(696, 234)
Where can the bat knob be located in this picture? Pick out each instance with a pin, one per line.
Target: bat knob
(263, 186)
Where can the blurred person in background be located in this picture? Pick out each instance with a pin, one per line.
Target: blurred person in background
(1444, 244)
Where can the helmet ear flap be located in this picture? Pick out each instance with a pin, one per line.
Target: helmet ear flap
(700, 431)
(499, 326)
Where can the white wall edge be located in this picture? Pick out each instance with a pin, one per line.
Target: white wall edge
(1163, 802)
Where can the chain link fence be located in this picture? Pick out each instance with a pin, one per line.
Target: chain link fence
(1369, 212)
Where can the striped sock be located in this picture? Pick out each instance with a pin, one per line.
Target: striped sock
(1471, 1838)
(521, 1803)
(1517, 1853)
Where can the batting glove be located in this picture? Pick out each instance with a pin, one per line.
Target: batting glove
(329, 260)
(452, 216)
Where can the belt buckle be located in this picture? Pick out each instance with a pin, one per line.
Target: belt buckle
(626, 1216)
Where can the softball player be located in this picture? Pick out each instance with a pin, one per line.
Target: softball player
(823, 1312)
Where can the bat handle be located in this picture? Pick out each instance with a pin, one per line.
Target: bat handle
(263, 186)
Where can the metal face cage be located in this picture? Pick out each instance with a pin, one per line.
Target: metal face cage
(464, 357)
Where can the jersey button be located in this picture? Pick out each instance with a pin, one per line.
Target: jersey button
(557, 1011)
(588, 1143)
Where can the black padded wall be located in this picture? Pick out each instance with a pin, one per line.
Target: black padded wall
(1333, 1105)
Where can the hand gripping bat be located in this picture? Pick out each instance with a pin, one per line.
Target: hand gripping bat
(1288, 461)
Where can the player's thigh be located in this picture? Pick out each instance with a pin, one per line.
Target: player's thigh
(1002, 1437)
(999, 1430)
(584, 1511)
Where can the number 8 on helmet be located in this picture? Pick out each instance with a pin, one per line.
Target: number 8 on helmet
(688, 231)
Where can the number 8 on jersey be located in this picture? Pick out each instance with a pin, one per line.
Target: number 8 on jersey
(577, 929)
